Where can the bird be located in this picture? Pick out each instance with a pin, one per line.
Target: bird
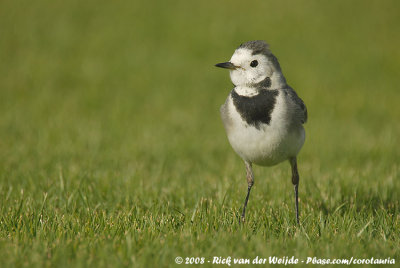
(263, 116)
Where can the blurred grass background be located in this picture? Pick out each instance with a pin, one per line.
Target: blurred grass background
(112, 152)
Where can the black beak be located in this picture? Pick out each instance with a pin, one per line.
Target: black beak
(226, 65)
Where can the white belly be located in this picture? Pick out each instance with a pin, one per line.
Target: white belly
(269, 145)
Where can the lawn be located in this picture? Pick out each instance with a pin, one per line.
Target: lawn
(112, 152)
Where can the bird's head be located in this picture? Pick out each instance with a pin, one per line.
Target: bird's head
(253, 64)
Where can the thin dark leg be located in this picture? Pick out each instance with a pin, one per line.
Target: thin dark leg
(245, 204)
(295, 181)
(296, 194)
(250, 182)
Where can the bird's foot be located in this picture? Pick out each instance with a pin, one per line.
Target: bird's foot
(242, 219)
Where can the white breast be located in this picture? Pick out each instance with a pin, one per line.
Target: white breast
(269, 145)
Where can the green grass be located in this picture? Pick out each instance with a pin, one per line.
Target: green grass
(112, 152)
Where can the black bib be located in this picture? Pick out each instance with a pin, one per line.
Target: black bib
(256, 109)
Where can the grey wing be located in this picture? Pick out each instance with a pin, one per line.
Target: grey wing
(298, 105)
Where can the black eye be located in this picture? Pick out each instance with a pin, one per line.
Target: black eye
(254, 63)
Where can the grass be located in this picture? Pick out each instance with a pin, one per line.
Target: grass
(112, 152)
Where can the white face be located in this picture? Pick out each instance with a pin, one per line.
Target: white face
(251, 68)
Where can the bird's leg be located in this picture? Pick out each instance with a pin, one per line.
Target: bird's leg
(250, 182)
(295, 181)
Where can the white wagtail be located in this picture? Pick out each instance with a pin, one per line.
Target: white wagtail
(263, 116)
